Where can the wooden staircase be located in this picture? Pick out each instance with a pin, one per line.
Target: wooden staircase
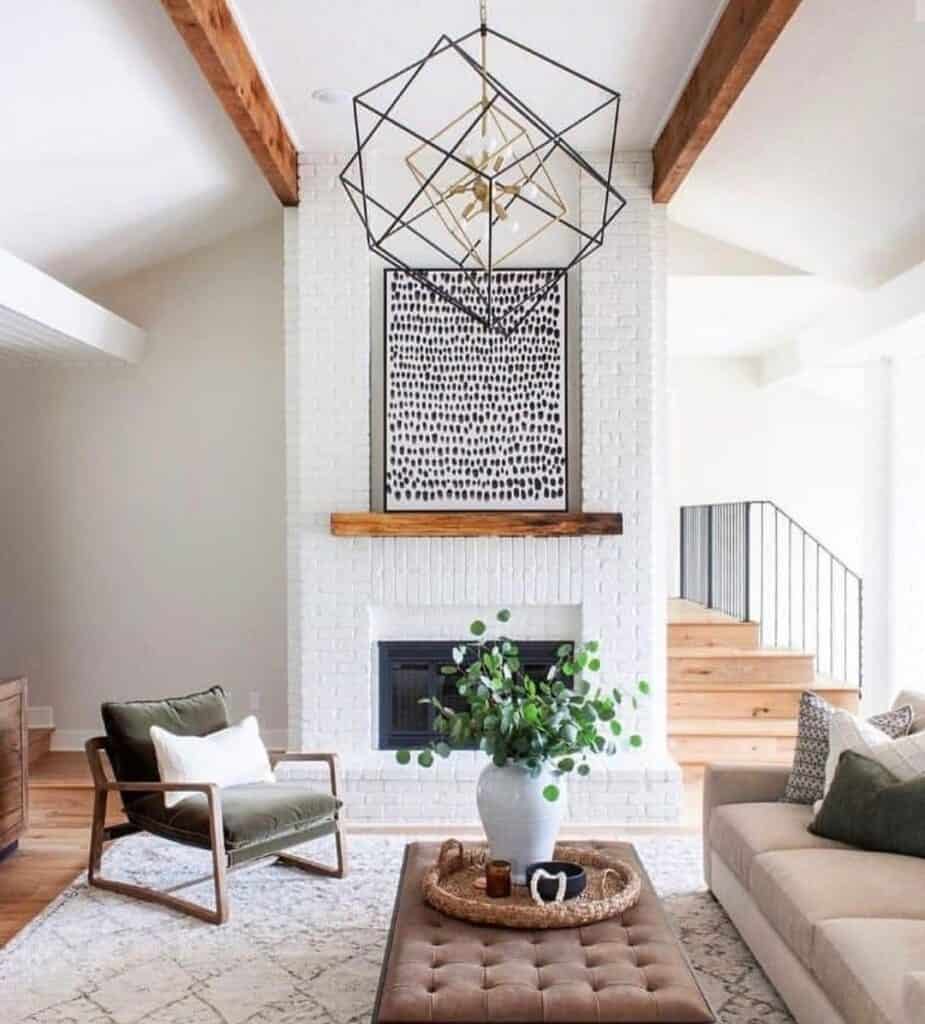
(730, 699)
(39, 742)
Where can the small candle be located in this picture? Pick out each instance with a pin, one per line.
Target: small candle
(498, 879)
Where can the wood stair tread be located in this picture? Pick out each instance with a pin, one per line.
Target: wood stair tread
(732, 727)
(681, 612)
(762, 653)
(749, 686)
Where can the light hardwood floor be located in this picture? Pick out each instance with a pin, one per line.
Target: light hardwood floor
(54, 850)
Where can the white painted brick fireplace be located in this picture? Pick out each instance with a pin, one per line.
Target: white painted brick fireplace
(346, 594)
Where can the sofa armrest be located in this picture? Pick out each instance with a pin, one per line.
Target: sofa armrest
(738, 784)
(914, 997)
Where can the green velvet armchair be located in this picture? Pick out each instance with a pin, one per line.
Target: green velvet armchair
(237, 824)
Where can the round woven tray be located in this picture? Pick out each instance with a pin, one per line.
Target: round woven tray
(613, 886)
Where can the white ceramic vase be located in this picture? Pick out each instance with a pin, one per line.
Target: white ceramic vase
(520, 823)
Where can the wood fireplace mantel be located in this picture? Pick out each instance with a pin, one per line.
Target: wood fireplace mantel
(476, 524)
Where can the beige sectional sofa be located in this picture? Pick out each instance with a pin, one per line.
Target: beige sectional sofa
(839, 931)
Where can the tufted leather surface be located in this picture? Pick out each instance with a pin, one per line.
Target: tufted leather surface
(628, 969)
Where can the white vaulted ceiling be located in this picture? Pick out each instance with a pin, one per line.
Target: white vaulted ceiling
(644, 48)
(115, 153)
(821, 162)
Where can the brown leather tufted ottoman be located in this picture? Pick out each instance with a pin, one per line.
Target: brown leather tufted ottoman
(438, 969)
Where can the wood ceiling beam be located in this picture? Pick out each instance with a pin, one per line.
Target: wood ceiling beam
(209, 30)
(745, 32)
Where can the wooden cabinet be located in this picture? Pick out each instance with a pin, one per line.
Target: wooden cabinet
(14, 759)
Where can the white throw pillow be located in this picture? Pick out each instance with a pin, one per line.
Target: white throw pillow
(229, 757)
(904, 757)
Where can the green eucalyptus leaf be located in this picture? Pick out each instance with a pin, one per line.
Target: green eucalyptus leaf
(566, 764)
(442, 749)
(425, 759)
(635, 740)
(403, 756)
(504, 615)
(477, 628)
(643, 687)
(594, 665)
(449, 670)
(551, 793)
(616, 728)
(592, 646)
(584, 769)
(568, 668)
(564, 651)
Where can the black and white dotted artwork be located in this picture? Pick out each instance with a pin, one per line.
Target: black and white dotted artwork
(475, 420)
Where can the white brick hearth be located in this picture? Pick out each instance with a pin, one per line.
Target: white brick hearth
(346, 594)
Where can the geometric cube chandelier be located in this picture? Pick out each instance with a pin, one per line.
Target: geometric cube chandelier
(455, 170)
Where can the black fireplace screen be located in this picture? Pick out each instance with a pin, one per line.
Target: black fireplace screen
(410, 670)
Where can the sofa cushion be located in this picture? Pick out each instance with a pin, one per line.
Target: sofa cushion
(251, 814)
(739, 832)
(128, 730)
(870, 807)
(806, 784)
(862, 965)
(798, 889)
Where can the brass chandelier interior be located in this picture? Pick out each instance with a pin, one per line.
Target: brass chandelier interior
(484, 184)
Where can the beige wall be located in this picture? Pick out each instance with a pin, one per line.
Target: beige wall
(142, 533)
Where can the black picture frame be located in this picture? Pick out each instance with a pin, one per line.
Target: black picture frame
(560, 284)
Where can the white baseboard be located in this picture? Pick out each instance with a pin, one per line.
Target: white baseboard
(74, 739)
(40, 717)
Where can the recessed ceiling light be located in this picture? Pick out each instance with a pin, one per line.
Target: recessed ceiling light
(332, 96)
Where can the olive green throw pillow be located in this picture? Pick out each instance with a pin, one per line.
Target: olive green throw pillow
(868, 806)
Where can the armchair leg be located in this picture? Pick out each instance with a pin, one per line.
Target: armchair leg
(316, 868)
(100, 834)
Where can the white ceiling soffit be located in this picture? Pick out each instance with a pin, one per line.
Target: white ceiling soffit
(744, 315)
(42, 320)
(690, 252)
(645, 49)
(876, 324)
(116, 153)
(821, 161)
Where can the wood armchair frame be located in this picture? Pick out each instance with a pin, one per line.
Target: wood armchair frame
(104, 783)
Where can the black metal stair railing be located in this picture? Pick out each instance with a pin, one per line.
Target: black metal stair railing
(751, 560)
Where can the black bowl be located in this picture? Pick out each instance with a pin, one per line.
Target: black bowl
(575, 879)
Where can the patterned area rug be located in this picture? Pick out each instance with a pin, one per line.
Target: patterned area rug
(298, 950)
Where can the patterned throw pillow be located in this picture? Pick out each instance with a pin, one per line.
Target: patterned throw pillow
(806, 784)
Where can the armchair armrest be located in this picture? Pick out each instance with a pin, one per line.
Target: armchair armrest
(331, 760)
(738, 784)
(209, 788)
(104, 785)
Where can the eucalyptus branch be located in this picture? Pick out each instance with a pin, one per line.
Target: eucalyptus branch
(559, 721)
